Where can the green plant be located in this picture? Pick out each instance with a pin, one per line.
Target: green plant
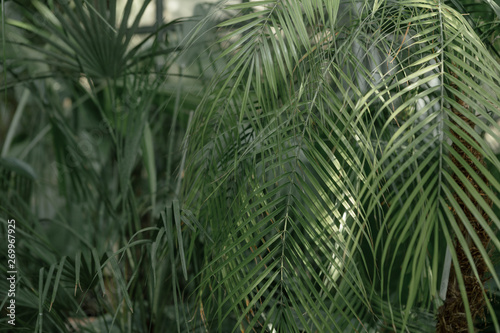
(339, 163)
(85, 172)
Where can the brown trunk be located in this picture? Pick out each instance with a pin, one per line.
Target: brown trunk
(451, 316)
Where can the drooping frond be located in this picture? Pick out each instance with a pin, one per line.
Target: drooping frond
(326, 163)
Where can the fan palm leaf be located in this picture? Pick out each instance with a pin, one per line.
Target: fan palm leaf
(85, 37)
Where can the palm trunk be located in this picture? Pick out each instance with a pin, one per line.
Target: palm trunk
(452, 316)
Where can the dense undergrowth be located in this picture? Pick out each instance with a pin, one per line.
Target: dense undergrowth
(280, 166)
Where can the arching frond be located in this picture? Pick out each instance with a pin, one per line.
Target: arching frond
(339, 155)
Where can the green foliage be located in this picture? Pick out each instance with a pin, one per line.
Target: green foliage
(84, 170)
(313, 191)
(321, 162)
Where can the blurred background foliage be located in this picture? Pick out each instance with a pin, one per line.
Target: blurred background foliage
(96, 99)
(95, 104)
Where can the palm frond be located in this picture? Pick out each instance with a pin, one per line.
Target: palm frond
(326, 163)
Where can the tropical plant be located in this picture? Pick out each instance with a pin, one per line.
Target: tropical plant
(84, 171)
(339, 164)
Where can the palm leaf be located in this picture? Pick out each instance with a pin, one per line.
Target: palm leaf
(325, 164)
